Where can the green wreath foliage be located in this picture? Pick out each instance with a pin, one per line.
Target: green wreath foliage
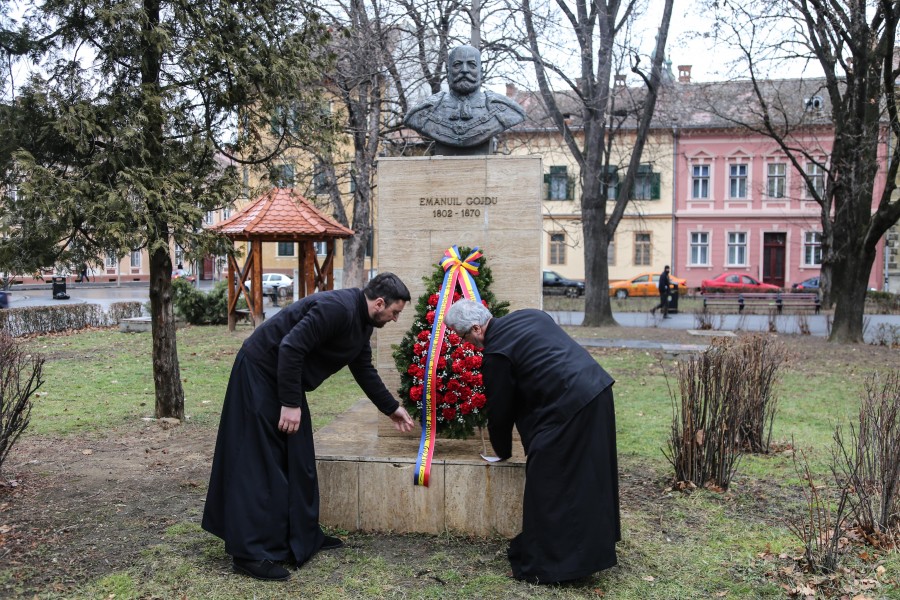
(460, 394)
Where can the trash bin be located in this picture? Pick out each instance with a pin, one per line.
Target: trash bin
(4, 299)
(673, 299)
(59, 288)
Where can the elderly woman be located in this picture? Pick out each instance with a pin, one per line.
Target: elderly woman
(560, 399)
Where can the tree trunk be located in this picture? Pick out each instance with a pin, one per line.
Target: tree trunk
(597, 307)
(166, 372)
(851, 281)
(355, 273)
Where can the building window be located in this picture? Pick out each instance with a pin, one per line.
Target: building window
(226, 212)
(700, 248)
(179, 255)
(282, 176)
(320, 180)
(285, 249)
(642, 249)
(557, 251)
(646, 184)
(816, 175)
(612, 182)
(737, 181)
(135, 259)
(209, 217)
(558, 185)
(112, 261)
(776, 183)
(321, 248)
(700, 182)
(812, 248)
(737, 248)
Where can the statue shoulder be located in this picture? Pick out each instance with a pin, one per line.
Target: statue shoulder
(425, 105)
(494, 98)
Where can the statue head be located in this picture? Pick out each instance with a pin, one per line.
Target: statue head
(464, 70)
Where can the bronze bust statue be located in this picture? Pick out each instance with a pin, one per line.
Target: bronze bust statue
(463, 120)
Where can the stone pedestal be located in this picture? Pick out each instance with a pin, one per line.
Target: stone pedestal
(427, 204)
(366, 482)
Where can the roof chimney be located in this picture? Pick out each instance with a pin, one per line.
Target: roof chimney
(511, 90)
(684, 73)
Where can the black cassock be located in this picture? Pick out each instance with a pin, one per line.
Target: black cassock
(263, 497)
(560, 399)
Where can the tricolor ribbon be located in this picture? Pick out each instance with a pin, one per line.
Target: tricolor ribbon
(456, 271)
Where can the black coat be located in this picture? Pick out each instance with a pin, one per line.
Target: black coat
(263, 497)
(561, 401)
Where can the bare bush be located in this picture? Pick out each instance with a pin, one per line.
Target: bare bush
(703, 446)
(21, 375)
(773, 321)
(870, 460)
(886, 335)
(803, 324)
(760, 359)
(820, 524)
(706, 321)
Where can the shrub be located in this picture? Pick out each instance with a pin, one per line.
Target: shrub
(760, 359)
(20, 376)
(201, 308)
(34, 320)
(870, 460)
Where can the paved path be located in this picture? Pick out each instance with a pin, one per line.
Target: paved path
(106, 294)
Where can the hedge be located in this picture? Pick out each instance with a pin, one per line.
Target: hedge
(33, 320)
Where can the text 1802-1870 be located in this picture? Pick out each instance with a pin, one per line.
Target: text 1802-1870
(463, 212)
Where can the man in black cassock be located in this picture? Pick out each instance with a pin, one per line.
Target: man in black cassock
(560, 399)
(263, 497)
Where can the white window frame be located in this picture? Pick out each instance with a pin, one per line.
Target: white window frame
(643, 250)
(321, 248)
(738, 178)
(812, 245)
(737, 249)
(556, 248)
(816, 174)
(775, 180)
(700, 179)
(111, 261)
(698, 251)
(136, 259)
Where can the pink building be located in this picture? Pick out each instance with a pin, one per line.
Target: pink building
(741, 206)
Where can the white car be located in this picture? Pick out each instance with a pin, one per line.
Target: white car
(275, 283)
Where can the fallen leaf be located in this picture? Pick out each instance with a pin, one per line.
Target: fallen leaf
(87, 451)
(880, 570)
(649, 578)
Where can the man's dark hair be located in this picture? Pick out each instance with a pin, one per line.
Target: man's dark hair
(387, 286)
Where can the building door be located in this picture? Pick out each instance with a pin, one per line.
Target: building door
(773, 258)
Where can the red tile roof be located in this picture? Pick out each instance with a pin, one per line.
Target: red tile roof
(281, 214)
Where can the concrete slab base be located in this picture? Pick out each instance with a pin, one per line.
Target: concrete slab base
(366, 482)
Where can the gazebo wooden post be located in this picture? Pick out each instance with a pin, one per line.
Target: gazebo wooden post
(232, 294)
(256, 306)
(328, 266)
(309, 267)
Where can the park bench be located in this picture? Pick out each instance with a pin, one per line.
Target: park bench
(762, 301)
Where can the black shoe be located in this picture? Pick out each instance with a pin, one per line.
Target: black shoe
(260, 569)
(653, 311)
(332, 543)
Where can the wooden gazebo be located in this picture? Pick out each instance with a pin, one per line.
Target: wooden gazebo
(280, 215)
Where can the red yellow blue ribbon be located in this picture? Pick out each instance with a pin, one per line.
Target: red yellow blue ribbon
(457, 271)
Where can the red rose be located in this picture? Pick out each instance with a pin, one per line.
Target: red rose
(412, 370)
(449, 413)
(454, 339)
(477, 381)
(429, 316)
(473, 362)
(485, 304)
(424, 335)
(457, 296)
(479, 400)
(465, 408)
(433, 300)
(419, 349)
(442, 363)
(415, 393)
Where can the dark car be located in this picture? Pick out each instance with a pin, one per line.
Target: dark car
(807, 284)
(554, 283)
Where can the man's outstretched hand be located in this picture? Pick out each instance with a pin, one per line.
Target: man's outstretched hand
(402, 421)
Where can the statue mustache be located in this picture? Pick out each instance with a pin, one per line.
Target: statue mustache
(465, 77)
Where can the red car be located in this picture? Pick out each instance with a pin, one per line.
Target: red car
(737, 281)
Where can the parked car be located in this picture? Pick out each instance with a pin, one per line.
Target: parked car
(738, 281)
(554, 283)
(645, 284)
(276, 283)
(182, 274)
(807, 284)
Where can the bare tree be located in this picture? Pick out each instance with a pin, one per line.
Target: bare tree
(852, 42)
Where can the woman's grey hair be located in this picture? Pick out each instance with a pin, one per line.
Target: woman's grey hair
(464, 314)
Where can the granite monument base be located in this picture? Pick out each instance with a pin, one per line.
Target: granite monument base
(366, 482)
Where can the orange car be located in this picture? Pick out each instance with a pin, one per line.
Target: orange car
(645, 284)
